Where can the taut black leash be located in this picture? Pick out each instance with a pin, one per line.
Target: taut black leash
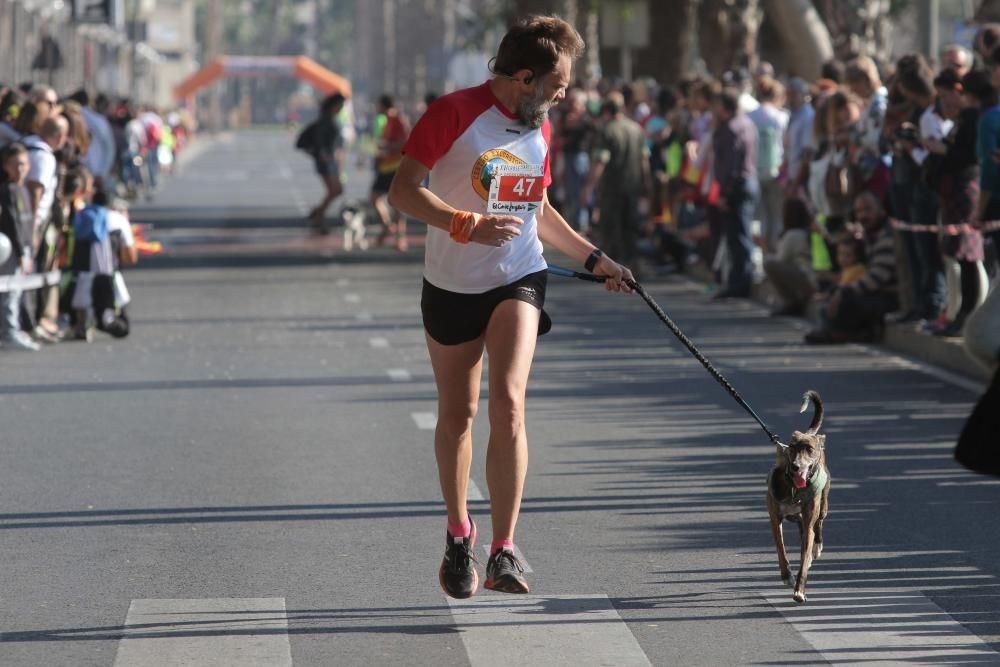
(719, 377)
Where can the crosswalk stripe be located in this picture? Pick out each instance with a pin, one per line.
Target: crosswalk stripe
(426, 421)
(399, 374)
(500, 631)
(473, 492)
(867, 626)
(351, 297)
(364, 317)
(378, 342)
(223, 632)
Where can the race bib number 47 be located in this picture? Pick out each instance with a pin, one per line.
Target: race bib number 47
(516, 189)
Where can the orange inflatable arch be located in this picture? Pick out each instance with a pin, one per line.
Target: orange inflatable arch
(300, 67)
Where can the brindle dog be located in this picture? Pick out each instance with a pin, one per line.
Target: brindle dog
(798, 489)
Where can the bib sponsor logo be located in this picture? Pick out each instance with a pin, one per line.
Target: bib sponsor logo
(486, 166)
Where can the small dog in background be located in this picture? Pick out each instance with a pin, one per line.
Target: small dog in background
(798, 489)
(354, 228)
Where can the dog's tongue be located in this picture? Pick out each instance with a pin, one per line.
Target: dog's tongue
(801, 479)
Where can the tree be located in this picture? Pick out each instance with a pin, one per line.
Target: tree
(803, 36)
(727, 33)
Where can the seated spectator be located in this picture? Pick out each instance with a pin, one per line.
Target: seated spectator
(790, 268)
(855, 312)
(851, 260)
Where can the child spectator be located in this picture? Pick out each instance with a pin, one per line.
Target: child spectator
(103, 240)
(17, 223)
(851, 259)
(790, 268)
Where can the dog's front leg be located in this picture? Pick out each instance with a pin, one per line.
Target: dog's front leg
(779, 542)
(808, 540)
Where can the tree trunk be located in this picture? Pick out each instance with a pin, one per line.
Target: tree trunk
(727, 33)
(859, 27)
(804, 36)
(672, 26)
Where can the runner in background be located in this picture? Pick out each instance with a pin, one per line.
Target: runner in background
(487, 213)
(323, 140)
(391, 131)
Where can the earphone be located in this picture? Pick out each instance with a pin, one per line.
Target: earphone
(526, 80)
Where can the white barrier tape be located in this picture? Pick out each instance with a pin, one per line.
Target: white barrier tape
(947, 230)
(30, 282)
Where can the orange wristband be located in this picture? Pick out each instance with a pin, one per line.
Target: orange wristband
(462, 224)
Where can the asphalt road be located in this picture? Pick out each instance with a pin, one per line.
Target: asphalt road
(249, 477)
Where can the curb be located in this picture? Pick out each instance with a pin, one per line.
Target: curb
(901, 339)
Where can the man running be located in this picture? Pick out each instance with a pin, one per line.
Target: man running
(487, 213)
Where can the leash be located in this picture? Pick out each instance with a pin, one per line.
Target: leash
(674, 329)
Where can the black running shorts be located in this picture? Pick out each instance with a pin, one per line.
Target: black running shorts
(451, 318)
(383, 182)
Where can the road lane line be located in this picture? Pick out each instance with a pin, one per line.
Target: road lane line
(364, 317)
(343, 282)
(378, 342)
(351, 297)
(505, 630)
(399, 374)
(426, 421)
(880, 627)
(224, 632)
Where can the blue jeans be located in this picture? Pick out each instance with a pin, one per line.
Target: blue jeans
(927, 266)
(10, 311)
(737, 222)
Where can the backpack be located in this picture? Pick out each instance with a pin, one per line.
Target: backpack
(91, 224)
(308, 139)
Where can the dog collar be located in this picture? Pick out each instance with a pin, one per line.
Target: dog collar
(817, 483)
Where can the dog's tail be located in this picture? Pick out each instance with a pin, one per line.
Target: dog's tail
(812, 397)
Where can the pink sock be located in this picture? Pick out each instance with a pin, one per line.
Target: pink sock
(502, 544)
(460, 529)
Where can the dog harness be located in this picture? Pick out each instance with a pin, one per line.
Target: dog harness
(817, 483)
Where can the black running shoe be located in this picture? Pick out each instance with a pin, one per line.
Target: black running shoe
(505, 573)
(458, 575)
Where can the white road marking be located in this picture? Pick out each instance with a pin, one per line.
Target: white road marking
(399, 374)
(860, 626)
(551, 630)
(473, 492)
(351, 297)
(426, 421)
(972, 482)
(364, 317)
(285, 172)
(378, 342)
(223, 632)
(342, 282)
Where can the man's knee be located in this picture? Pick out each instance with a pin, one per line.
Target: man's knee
(456, 421)
(506, 414)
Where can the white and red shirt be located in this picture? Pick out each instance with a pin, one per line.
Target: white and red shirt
(463, 138)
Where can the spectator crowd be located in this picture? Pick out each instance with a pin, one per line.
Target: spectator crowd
(870, 195)
(68, 167)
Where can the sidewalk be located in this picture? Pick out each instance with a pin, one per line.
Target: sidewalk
(902, 339)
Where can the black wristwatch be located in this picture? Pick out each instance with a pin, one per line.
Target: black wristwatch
(592, 259)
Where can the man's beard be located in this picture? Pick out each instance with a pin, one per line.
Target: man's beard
(534, 110)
